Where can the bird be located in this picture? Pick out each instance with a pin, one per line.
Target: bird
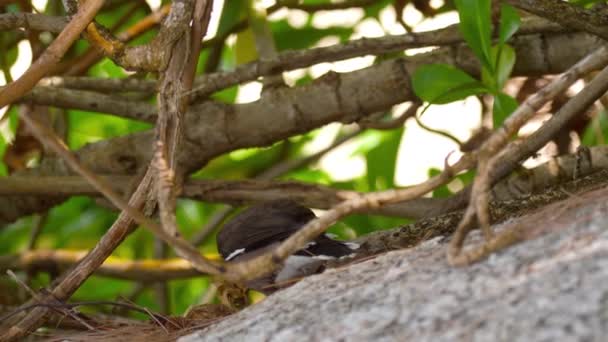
(262, 227)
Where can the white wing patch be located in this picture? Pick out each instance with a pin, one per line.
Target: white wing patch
(311, 243)
(235, 254)
(352, 245)
(323, 257)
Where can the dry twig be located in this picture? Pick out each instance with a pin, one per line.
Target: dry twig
(490, 154)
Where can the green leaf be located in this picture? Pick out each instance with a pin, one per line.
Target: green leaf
(291, 38)
(488, 78)
(504, 105)
(8, 128)
(87, 127)
(503, 60)
(505, 63)
(15, 235)
(382, 161)
(227, 95)
(96, 288)
(509, 23)
(106, 69)
(442, 83)
(585, 3)
(596, 130)
(376, 8)
(308, 175)
(476, 28)
(244, 47)
(185, 292)
(77, 223)
(231, 14)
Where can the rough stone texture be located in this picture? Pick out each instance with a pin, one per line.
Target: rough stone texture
(551, 288)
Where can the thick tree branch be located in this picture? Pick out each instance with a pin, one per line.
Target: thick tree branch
(286, 112)
(567, 14)
(38, 22)
(216, 191)
(240, 192)
(91, 101)
(290, 60)
(217, 81)
(103, 85)
(537, 55)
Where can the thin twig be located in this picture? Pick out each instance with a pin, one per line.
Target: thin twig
(290, 60)
(55, 303)
(51, 140)
(444, 134)
(265, 263)
(13, 330)
(394, 123)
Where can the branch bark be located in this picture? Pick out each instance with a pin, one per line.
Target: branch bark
(290, 111)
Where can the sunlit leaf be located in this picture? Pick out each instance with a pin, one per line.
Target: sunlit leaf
(231, 14)
(290, 38)
(381, 161)
(244, 48)
(596, 131)
(441, 83)
(505, 63)
(509, 23)
(475, 27)
(504, 105)
(83, 129)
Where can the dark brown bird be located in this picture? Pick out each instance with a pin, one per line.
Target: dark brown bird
(263, 226)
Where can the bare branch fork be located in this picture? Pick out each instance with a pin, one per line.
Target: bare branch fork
(175, 80)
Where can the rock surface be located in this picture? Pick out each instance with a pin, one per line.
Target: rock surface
(550, 288)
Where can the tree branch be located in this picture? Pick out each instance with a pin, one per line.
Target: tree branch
(567, 14)
(61, 260)
(290, 111)
(52, 54)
